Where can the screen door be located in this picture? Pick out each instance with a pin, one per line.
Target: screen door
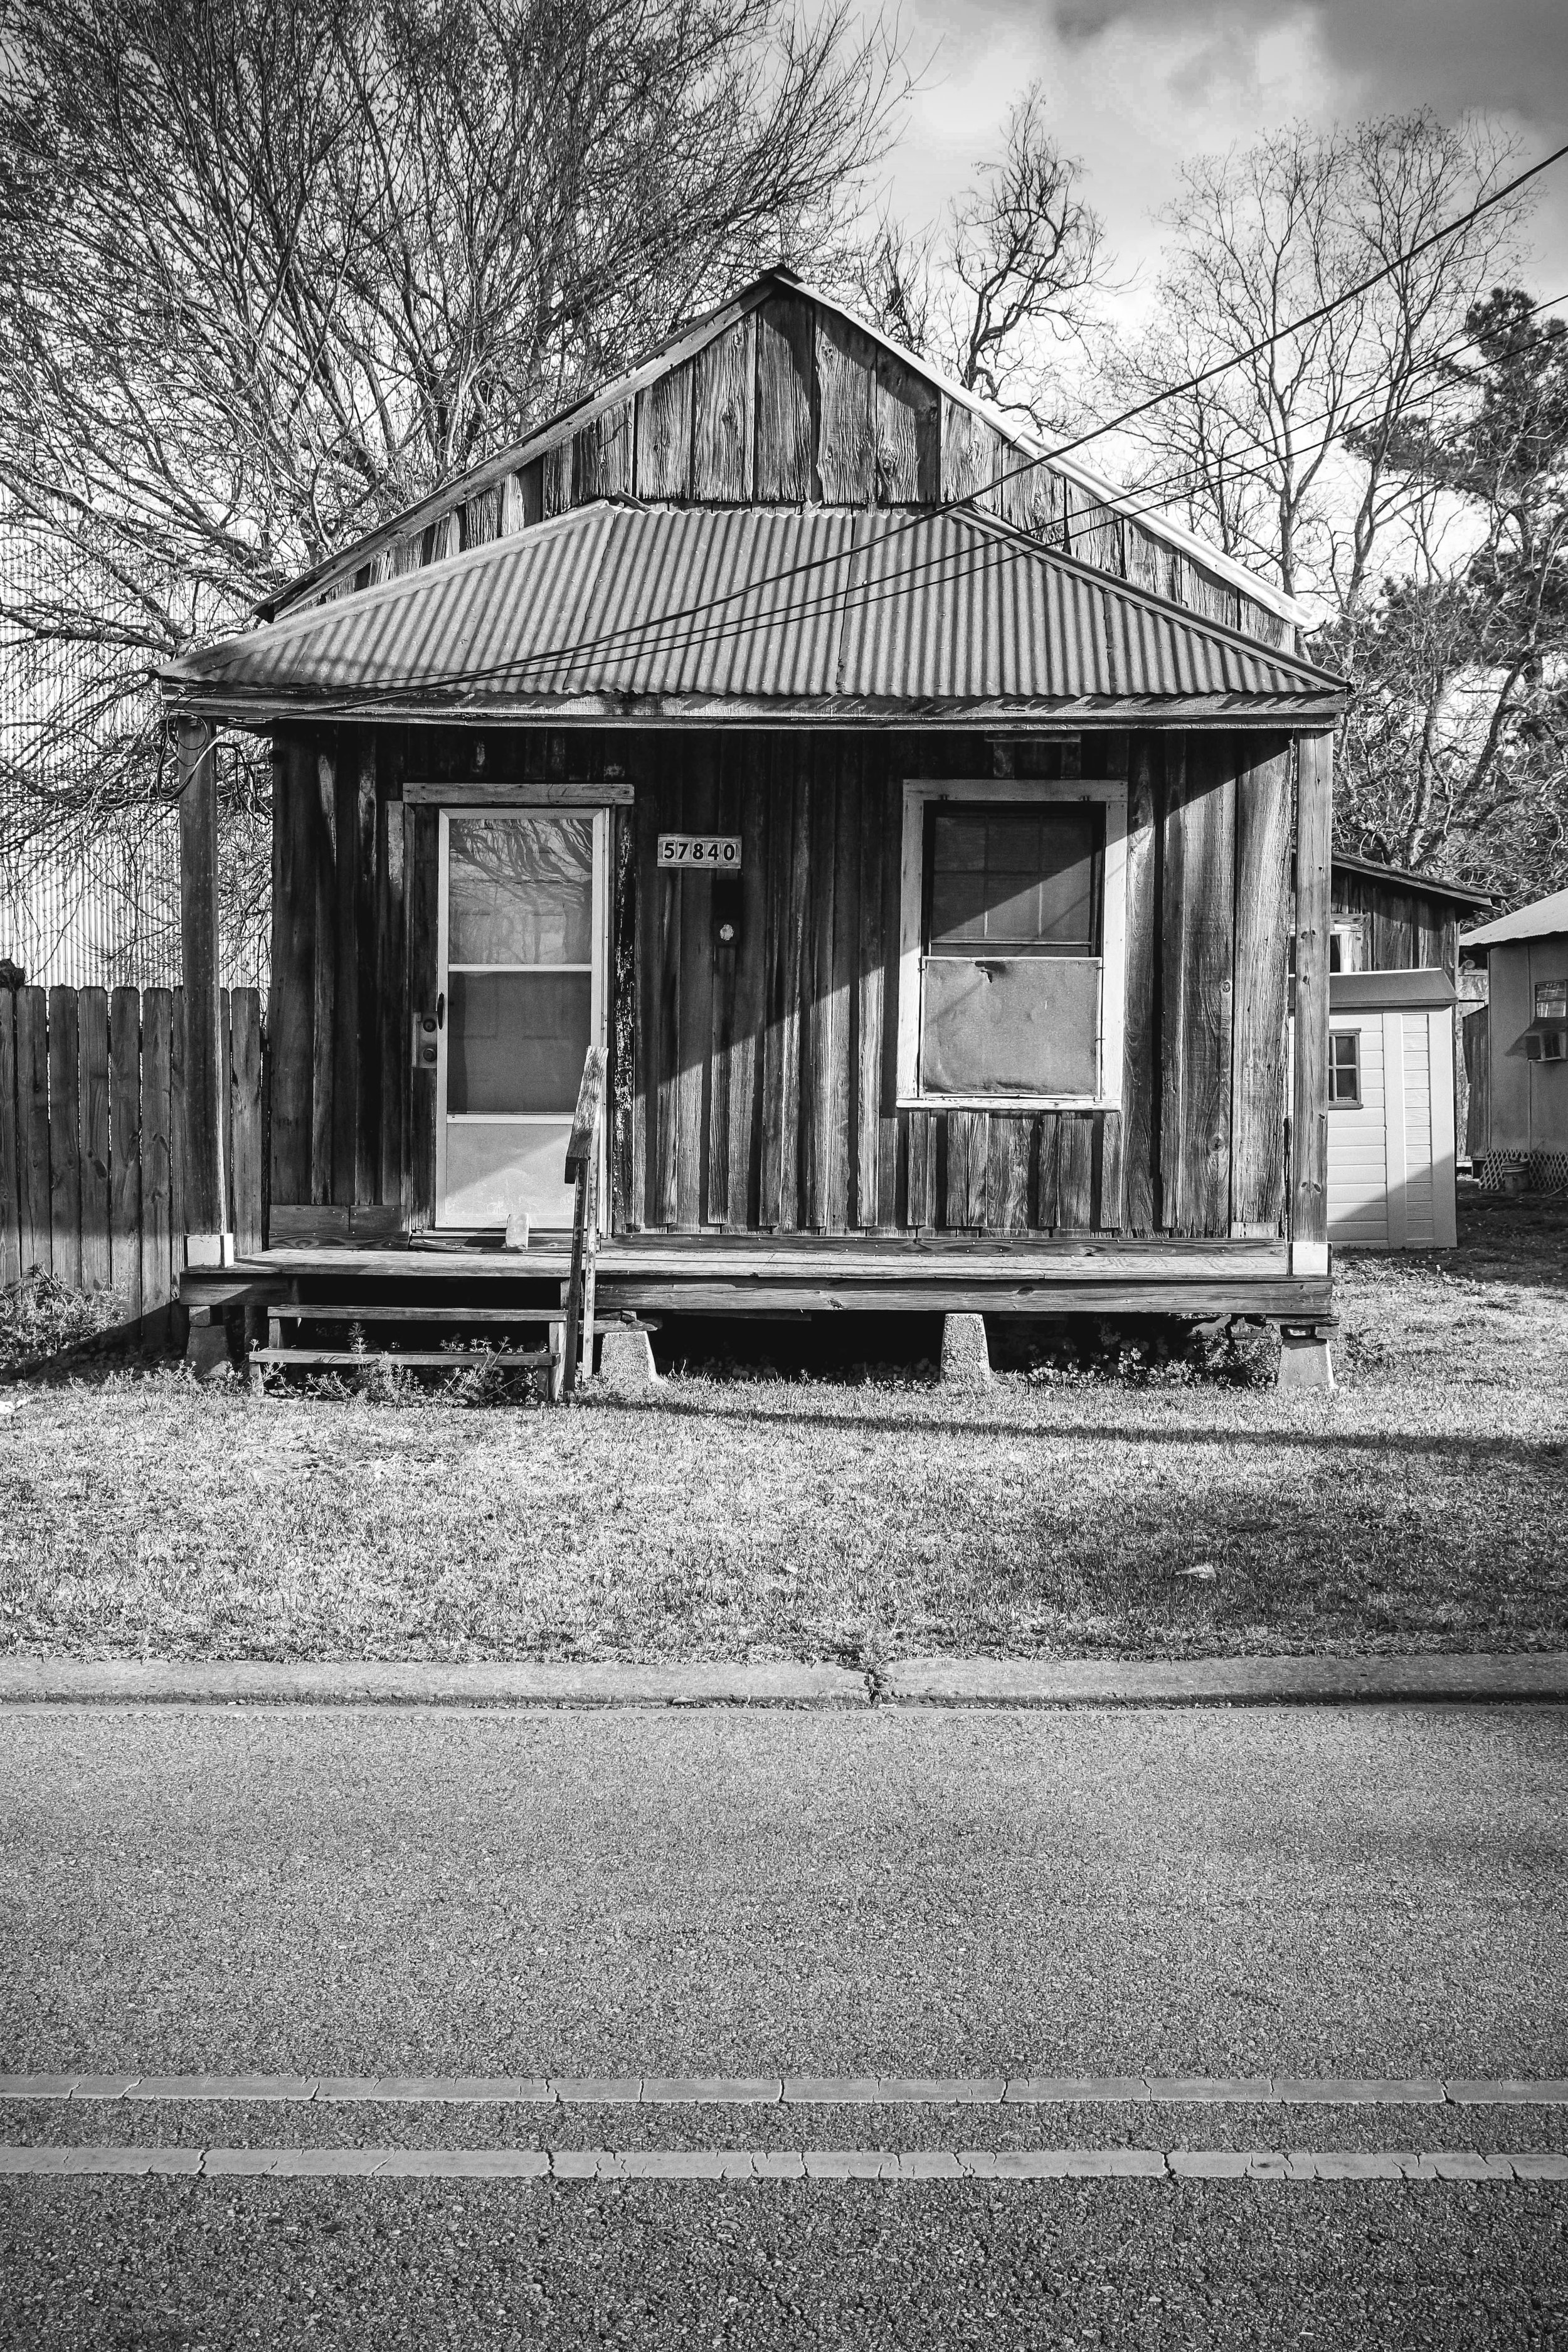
(522, 970)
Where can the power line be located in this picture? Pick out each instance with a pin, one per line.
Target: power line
(370, 698)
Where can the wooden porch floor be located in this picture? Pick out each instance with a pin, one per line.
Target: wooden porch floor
(808, 1273)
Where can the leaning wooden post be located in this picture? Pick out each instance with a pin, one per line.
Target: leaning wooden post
(209, 1238)
(582, 1165)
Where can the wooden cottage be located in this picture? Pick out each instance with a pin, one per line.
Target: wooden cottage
(916, 827)
(1518, 1048)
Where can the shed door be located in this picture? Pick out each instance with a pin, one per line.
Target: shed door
(521, 958)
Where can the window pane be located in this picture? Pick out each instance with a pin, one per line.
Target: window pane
(520, 889)
(490, 1171)
(1006, 1026)
(1021, 881)
(517, 1040)
(1345, 1066)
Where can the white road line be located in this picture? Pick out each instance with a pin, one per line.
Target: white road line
(1284, 2164)
(801, 2090)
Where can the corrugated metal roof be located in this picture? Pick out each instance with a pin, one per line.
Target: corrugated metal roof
(1540, 920)
(617, 605)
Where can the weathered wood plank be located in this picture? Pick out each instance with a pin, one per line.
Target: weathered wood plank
(226, 1040)
(847, 413)
(1310, 1124)
(892, 1140)
(908, 434)
(204, 1183)
(1257, 1031)
(179, 1122)
(723, 415)
(1198, 945)
(1007, 1175)
(920, 1209)
(624, 1112)
(721, 1175)
(157, 1016)
(971, 456)
(323, 1030)
(1109, 1209)
(1286, 1299)
(292, 997)
(1032, 498)
(821, 776)
(751, 984)
(664, 437)
(1075, 1172)
(968, 1169)
(669, 914)
(698, 788)
(851, 762)
(785, 400)
(32, 1129)
(422, 886)
(602, 456)
(65, 1138)
(1044, 1166)
(1141, 1036)
(646, 817)
(556, 480)
(125, 1146)
(394, 1046)
(869, 1208)
(11, 1268)
(248, 1119)
(361, 856)
(788, 856)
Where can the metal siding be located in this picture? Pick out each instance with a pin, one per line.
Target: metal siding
(751, 603)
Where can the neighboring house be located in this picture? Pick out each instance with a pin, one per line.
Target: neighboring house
(1517, 1049)
(1393, 1105)
(924, 869)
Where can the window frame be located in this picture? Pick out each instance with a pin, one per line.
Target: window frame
(1107, 793)
(1344, 1102)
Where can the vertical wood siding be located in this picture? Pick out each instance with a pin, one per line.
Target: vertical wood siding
(752, 1086)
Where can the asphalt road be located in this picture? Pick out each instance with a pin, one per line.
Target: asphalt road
(1367, 1891)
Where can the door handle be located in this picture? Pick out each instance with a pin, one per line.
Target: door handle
(441, 1009)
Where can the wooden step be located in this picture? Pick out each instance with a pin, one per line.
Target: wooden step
(413, 1360)
(322, 1313)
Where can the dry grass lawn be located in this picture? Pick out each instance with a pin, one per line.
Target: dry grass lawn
(1423, 1506)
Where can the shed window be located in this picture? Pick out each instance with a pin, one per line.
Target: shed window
(1347, 943)
(1551, 1000)
(1344, 1066)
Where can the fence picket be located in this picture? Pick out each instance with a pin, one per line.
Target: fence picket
(32, 1129)
(64, 1139)
(10, 1228)
(157, 1022)
(125, 1146)
(92, 1015)
(249, 1153)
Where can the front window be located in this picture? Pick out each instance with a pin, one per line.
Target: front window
(1344, 1066)
(1014, 985)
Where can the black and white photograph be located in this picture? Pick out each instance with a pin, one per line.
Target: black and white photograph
(784, 1175)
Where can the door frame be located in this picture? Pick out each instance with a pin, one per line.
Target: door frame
(598, 976)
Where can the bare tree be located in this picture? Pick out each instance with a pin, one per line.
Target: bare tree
(269, 269)
(1271, 235)
(995, 292)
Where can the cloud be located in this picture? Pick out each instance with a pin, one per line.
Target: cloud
(1506, 56)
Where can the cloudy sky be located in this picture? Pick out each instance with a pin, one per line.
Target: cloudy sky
(1134, 85)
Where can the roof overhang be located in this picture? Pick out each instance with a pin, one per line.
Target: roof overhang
(625, 614)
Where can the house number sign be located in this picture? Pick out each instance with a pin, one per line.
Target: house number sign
(715, 853)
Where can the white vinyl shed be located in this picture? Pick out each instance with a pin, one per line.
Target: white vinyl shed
(1391, 1111)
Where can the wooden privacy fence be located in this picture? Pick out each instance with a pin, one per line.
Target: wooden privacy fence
(92, 1135)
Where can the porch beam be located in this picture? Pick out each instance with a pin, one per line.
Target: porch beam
(1309, 1091)
(209, 1239)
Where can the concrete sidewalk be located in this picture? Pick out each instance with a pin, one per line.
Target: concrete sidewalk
(1539, 1677)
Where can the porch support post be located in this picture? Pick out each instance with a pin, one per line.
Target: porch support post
(209, 1240)
(1310, 1121)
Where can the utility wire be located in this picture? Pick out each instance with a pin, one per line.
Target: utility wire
(369, 699)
